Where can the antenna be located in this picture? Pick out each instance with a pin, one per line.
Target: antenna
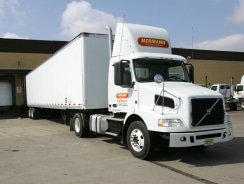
(192, 44)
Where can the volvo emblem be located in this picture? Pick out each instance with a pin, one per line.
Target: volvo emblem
(208, 111)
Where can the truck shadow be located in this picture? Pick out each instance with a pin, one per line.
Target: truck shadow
(12, 115)
(220, 154)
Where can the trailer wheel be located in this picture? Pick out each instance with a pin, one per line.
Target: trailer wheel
(139, 140)
(71, 127)
(33, 113)
(65, 117)
(29, 113)
(79, 122)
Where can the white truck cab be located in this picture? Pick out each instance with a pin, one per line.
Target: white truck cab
(239, 92)
(223, 89)
(227, 91)
(151, 89)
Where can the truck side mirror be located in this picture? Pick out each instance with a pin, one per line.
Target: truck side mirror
(122, 74)
(117, 74)
(191, 73)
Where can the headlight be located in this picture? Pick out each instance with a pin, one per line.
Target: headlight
(170, 123)
(227, 121)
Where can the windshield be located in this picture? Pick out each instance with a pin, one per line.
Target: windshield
(171, 70)
(240, 88)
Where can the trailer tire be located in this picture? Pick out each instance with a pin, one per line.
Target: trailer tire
(79, 122)
(71, 126)
(139, 140)
(29, 113)
(66, 118)
(33, 113)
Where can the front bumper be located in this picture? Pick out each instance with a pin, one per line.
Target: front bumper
(200, 138)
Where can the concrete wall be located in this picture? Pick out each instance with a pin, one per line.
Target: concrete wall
(21, 60)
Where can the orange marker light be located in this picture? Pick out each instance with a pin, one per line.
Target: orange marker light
(122, 95)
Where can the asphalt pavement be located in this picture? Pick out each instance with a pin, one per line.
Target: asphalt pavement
(45, 151)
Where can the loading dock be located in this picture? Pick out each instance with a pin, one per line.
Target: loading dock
(18, 57)
(7, 97)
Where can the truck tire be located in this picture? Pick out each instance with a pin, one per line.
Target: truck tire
(139, 140)
(79, 122)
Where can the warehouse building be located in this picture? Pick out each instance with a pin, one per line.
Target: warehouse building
(213, 67)
(18, 57)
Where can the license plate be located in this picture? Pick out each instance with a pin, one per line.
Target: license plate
(209, 142)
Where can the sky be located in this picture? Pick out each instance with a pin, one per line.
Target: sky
(197, 24)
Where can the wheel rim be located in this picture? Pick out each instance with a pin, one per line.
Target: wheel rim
(77, 125)
(137, 140)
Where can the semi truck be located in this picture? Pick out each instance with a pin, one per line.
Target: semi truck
(227, 91)
(239, 92)
(129, 85)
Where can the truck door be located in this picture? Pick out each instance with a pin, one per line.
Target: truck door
(121, 98)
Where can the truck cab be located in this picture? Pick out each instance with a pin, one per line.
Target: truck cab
(152, 91)
(223, 89)
(239, 92)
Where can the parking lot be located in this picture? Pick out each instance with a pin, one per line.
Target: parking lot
(45, 151)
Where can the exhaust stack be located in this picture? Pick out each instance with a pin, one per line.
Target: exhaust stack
(110, 42)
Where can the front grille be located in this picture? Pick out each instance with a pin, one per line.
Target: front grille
(208, 111)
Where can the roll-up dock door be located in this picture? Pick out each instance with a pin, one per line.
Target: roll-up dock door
(6, 94)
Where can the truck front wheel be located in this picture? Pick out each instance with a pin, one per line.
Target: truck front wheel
(139, 140)
(79, 125)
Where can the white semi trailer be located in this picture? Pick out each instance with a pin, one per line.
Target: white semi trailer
(131, 86)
